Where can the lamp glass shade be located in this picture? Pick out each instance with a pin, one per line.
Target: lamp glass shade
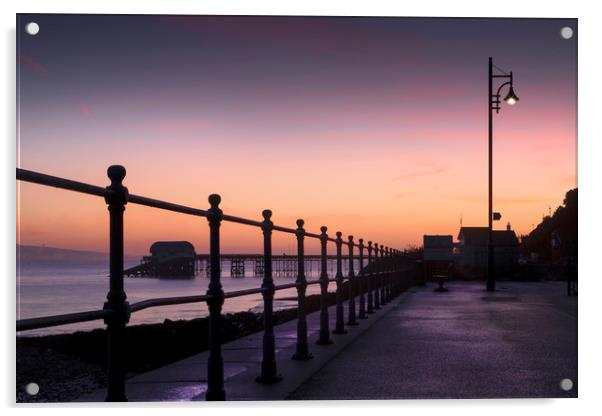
(511, 98)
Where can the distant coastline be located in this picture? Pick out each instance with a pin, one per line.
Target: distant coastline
(28, 255)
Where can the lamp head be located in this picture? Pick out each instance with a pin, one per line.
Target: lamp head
(511, 97)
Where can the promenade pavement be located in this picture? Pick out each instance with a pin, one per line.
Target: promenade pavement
(519, 341)
(186, 380)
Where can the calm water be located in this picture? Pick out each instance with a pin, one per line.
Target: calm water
(51, 290)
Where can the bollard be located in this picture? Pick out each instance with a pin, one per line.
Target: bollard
(369, 279)
(361, 278)
(352, 282)
(340, 325)
(376, 280)
(324, 338)
(215, 362)
(116, 298)
(268, 363)
(302, 348)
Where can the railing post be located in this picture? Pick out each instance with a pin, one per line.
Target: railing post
(369, 278)
(268, 363)
(324, 338)
(383, 268)
(376, 272)
(386, 275)
(302, 348)
(340, 320)
(215, 362)
(391, 275)
(352, 281)
(394, 272)
(116, 298)
(397, 272)
(361, 277)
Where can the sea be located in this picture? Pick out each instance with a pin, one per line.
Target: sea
(44, 290)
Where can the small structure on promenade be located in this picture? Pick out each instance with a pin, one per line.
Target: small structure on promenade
(438, 258)
(472, 249)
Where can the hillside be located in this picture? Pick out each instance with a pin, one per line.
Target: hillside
(561, 228)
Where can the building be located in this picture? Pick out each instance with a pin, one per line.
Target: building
(438, 247)
(472, 249)
(171, 259)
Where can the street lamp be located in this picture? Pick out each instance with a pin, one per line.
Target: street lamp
(494, 102)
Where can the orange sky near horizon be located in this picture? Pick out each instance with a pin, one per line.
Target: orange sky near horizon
(377, 192)
(387, 163)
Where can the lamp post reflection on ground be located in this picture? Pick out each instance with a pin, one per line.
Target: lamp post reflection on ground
(493, 103)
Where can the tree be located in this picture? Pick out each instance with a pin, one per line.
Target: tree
(562, 225)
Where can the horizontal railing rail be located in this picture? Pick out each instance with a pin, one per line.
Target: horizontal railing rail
(64, 319)
(86, 316)
(56, 182)
(376, 283)
(175, 300)
(167, 206)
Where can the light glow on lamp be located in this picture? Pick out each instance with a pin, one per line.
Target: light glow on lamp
(511, 98)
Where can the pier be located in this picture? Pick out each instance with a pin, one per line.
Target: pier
(242, 265)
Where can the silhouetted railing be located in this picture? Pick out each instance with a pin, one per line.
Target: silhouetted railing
(383, 278)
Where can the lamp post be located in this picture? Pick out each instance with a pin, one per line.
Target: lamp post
(493, 103)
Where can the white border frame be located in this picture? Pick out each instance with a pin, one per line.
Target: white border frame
(590, 139)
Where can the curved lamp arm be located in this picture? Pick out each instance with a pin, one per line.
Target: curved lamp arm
(502, 86)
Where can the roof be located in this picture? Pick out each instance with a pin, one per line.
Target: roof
(478, 236)
(173, 246)
(437, 241)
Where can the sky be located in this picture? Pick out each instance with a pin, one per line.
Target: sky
(376, 127)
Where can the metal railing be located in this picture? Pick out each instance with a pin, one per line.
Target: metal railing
(379, 281)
